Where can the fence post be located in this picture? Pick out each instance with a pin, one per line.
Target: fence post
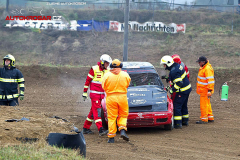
(92, 26)
(7, 4)
(126, 18)
(232, 19)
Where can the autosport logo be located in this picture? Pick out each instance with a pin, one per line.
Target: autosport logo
(40, 18)
(41, 22)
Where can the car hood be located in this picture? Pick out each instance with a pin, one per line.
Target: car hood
(147, 98)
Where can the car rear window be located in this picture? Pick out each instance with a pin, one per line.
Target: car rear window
(139, 79)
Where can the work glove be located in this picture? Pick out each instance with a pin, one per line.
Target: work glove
(165, 77)
(21, 98)
(169, 89)
(85, 96)
(209, 94)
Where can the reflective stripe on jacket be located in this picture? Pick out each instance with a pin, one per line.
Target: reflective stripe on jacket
(179, 79)
(9, 81)
(205, 79)
(96, 83)
(186, 69)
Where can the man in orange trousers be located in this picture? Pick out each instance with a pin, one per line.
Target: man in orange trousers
(205, 88)
(115, 84)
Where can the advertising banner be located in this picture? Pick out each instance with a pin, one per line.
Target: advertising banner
(148, 27)
(99, 26)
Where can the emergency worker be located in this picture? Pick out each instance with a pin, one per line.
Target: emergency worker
(182, 87)
(94, 80)
(177, 59)
(115, 84)
(10, 79)
(205, 88)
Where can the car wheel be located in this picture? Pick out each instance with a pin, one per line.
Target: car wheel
(169, 126)
(104, 123)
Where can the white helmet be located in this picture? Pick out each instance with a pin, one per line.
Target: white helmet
(168, 60)
(105, 58)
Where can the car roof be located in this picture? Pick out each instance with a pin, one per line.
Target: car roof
(137, 65)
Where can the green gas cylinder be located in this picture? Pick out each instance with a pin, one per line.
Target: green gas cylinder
(225, 88)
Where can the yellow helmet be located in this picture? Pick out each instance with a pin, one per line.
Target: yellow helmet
(10, 57)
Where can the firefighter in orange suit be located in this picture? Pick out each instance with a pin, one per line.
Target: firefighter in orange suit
(205, 88)
(115, 84)
(94, 79)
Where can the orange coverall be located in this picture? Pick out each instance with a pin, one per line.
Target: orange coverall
(115, 84)
(205, 83)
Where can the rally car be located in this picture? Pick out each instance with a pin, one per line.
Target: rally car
(149, 104)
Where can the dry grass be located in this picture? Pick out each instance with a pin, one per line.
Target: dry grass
(39, 150)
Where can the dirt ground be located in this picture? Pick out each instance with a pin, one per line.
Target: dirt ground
(57, 92)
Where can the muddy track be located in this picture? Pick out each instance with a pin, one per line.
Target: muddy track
(58, 92)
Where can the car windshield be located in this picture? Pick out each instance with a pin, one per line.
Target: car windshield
(139, 79)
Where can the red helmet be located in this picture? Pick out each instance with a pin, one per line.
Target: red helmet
(176, 58)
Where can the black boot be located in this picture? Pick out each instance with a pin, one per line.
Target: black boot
(201, 122)
(111, 140)
(178, 126)
(124, 135)
(87, 131)
(185, 123)
(102, 131)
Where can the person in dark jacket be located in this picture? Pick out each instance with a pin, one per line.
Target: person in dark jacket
(182, 87)
(10, 79)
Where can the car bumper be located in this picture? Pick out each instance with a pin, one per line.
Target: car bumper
(149, 119)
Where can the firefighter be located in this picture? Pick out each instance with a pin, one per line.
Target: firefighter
(205, 88)
(115, 84)
(182, 87)
(10, 79)
(177, 59)
(94, 79)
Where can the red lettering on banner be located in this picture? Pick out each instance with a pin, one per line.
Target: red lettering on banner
(8, 18)
(180, 27)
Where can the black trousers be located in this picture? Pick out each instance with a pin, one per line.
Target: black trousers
(12, 102)
(180, 108)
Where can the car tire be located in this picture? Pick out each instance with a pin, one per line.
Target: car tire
(169, 127)
(104, 123)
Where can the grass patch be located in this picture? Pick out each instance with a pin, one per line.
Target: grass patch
(40, 150)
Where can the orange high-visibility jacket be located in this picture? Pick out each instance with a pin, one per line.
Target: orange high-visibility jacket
(116, 81)
(205, 79)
